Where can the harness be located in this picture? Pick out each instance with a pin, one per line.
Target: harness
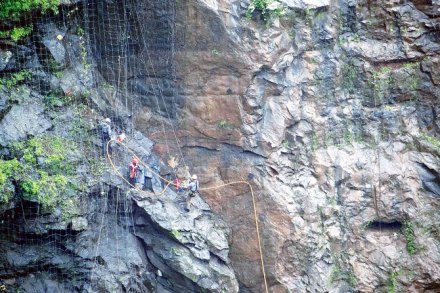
(133, 171)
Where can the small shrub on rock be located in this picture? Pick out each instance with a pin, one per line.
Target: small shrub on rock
(269, 9)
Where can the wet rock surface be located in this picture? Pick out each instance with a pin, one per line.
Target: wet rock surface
(336, 111)
(330, 112)
(22, 121)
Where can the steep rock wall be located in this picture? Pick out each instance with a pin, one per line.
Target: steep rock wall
(68, 221)
(332, 112)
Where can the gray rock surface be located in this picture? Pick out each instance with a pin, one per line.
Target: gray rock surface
(199, 250)
(52, 39)
(5, 57)
(331, 112)
(23, 121)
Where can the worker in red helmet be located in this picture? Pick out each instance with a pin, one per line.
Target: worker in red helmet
(133, 171)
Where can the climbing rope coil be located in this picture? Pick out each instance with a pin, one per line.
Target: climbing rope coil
(168, 183)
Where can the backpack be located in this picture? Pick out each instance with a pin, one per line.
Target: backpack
(106, 129)
(196, 185)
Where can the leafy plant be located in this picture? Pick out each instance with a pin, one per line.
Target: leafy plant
(269, 9)
(392, 282)
(408, 232)
(45, 189)
(356, 38)
(70, 208)
(43, 172)
(13, 9)
(15, 78)
(97, 167)
(8, 169)
(335, 273)
(17, 33)
(352, 280)
(56, 100)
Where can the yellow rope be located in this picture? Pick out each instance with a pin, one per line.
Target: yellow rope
(256, 221)
(122, 176)
(206, 188)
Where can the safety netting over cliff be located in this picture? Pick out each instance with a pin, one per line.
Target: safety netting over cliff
(64, 67)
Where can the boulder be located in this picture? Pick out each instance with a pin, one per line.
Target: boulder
(22, 121)
(193, 244)
(52, 39)
(5, 58)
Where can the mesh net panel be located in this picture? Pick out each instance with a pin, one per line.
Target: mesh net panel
(74, 57)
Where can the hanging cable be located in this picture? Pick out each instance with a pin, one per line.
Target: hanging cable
(160, 91)
(169, 183)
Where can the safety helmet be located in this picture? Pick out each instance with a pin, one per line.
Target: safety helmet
(107, 120)
(135, 161)
(194, 177)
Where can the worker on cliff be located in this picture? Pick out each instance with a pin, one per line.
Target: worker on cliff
(133, 172)
(193, 190)
(106, 134)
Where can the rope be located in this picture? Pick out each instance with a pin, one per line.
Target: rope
(256, 222)
(115, 168)
(160, 91)
(206, 188)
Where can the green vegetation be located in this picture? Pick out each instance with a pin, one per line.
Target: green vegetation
(8, 169)
(314, 142)
(97, 167)
(340, 271)
(392, 282)
(222, 124)
(82, 46)
(175, 233)
(412, 81)
(352, 280)
(335, 273)
(349, 76)
(70, 208)
(15, 78)
(45, 189)
(40, 170)
(356, 38)
(14, 10)
(435, 142)
(408, 232)
(381, 81)
(269, 9)
(17, 33)
(56, 100)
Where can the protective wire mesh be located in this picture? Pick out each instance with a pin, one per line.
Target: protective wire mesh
(74, 55)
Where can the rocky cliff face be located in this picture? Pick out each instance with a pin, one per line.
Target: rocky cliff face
(330, 112)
